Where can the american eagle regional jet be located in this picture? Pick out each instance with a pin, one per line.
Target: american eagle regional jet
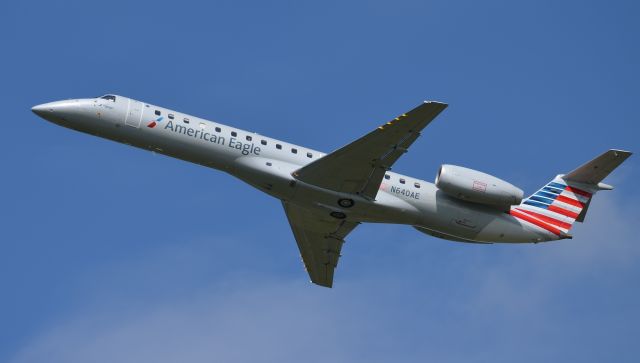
(326, 196)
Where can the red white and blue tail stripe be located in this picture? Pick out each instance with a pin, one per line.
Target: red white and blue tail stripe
(554, 208)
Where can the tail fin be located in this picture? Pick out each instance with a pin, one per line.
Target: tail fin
(565, 200)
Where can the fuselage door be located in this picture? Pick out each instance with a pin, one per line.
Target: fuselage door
(133, 116)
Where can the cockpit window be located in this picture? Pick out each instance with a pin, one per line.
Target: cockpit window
(109, 97)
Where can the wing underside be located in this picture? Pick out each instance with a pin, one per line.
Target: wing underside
(319, 239)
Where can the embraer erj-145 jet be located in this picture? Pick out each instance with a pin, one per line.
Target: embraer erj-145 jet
(325, 196)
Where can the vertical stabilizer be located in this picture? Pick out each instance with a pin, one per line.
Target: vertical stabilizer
(565, 200)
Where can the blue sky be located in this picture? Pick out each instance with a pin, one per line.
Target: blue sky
(109, 253)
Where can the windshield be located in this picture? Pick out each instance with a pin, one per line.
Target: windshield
(109, 97)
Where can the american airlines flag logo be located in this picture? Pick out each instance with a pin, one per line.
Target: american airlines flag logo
(153, 123)
(553, 208)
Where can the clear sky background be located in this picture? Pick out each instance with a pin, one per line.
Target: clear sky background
(113, 254)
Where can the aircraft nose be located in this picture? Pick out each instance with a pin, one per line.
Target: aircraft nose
(59, 111)
(42, 110)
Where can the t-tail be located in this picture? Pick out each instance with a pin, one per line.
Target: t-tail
(565, 200)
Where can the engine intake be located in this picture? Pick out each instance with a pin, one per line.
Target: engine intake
(477, 187)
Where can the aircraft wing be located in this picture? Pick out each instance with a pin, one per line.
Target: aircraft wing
(319, 239)
(360, 166)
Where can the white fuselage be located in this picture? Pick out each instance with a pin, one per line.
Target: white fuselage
(268, 164)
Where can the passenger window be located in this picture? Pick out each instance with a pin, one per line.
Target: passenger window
(309, 155)
(401, 181)
(387, 176)
(233, 133)
(158, 113)
(263, 142)
(278, 146)
(269, 163)
(293, 150)
(248, 138)
(417, 185)
(218, 129)
(185, 120)
(170, 116)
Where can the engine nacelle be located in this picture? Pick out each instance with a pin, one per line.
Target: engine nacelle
(477, 187)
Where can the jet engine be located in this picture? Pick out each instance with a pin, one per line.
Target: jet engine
(477, 187)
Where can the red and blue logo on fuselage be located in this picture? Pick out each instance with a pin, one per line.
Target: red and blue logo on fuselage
(153, 123)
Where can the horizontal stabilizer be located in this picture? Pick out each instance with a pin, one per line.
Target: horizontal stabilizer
(597, 169)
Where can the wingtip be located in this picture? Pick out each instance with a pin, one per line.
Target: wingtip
(623, 152)
(328, 285)
(436, 102)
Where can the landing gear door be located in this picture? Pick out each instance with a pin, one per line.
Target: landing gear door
(133, 117)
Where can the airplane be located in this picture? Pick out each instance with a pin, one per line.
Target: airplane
(326, 196)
